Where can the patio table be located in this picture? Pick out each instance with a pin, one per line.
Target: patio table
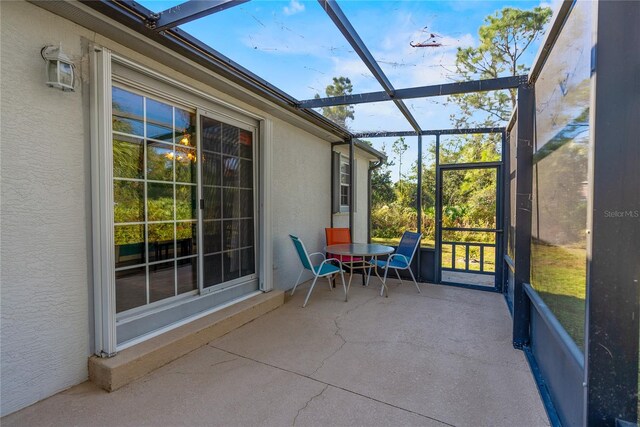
(361, 250)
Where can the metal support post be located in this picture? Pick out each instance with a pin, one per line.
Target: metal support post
(524, 150)
(438, 244)
(419, 204)
(613, 247)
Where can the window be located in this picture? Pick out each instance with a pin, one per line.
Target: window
(345, 180)
(154, 200)
(156, 182)
(341, 183)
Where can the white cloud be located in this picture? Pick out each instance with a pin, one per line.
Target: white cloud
(294, 7)
(551, 4)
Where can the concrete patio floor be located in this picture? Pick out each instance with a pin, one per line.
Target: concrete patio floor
(443, 357)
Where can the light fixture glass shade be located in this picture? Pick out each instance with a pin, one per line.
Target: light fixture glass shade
(60, 69)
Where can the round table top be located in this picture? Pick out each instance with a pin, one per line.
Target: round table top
(359, 249)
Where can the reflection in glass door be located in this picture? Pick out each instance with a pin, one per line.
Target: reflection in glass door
(154, 195)
(228, 202)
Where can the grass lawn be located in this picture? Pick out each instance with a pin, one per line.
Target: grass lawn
(474, 253)
(393, 241)
(559, 274)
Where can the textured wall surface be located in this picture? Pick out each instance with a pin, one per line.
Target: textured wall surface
(301, 198)
(44, 258)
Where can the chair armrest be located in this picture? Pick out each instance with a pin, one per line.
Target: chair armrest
(317, 253)
(329, 260)
(392, 256)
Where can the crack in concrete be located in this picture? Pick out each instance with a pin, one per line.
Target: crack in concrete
(339, 334)
(344, 341)
(223, 361)
(307, 404)
(338, 387)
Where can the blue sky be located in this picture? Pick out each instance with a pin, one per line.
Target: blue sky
(295, 46)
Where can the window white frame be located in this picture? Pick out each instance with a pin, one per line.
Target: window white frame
(345, 182)
(102, 63)
(147, 264)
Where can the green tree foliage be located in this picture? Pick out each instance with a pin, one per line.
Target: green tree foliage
(399, 147)
(468, 196)
(381, 185)
(504, 37)
(382, 188)
(338, 113)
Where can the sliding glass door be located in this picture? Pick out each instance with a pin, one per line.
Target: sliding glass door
(183, 202)
(228, 202)
(154, 200)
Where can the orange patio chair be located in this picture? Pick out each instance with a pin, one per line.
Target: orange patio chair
(337, 236)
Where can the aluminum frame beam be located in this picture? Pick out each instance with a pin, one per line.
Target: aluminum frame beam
(342, 23)
(468, 131)
(511, 82)
(188, 11)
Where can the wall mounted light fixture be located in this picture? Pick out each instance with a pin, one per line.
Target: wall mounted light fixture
(60, 70)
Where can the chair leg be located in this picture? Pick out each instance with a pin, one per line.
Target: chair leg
(297, 281)
(398, 274)
(384, 284)
(309, 293)
(329, 278)
(414, 281)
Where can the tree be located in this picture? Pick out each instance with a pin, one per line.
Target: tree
(338, 113)
(469, 196)
(381, 186)
(399, 147)
(504, 37)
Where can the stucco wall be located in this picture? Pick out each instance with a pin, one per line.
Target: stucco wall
(46, 281)
(45, 205)
(301, 198)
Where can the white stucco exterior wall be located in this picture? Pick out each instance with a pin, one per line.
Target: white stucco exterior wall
(45, 207)
(301, 198)
(45, 241)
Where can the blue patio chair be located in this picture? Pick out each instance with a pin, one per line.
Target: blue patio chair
(324, 269)
(400, 260)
